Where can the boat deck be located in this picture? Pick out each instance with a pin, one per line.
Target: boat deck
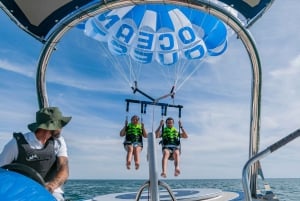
(206, 194)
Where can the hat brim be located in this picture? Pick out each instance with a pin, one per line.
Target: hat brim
(52, 125)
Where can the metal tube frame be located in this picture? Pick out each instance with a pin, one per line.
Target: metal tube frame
(262, 154)
(203, 5)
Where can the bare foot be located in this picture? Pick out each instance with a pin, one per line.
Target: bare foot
(137, 166)
(128, 164)
(164, 175)
(177, 172)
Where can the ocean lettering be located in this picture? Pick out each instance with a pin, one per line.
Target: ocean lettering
(196, 52)
(166, 41)
(117, 47)
(145, 40)
(167, 58)
(108, 20)
(186, 35)
(125, 33)
(142, 56)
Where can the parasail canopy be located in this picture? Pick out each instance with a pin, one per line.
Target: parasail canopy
(170, 38)
(164, 33)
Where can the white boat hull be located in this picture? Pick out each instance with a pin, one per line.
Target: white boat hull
(206, 194)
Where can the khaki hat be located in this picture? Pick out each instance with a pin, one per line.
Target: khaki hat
(49, 118)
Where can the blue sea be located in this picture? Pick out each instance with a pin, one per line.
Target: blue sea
(78, 190)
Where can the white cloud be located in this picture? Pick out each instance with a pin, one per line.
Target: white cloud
(17, 68)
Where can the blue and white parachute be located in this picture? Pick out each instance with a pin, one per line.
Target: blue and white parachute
(175, 38)
(164, 33)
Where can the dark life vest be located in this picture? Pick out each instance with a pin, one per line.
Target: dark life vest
(42, 160)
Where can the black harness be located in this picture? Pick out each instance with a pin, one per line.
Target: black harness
(42, 160)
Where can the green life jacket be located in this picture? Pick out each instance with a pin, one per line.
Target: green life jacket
(170, 136)
(134, 133)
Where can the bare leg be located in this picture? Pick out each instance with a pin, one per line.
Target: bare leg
(176, 162)
(165, 159)
(136, 154)
(129, 156)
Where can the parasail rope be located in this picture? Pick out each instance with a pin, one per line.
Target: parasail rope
(189, 75)
(125, 68)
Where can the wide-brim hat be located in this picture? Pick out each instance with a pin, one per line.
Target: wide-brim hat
(49, 118)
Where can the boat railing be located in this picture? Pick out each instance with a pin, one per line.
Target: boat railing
(153, 183)
(160, 183)
(260, 155)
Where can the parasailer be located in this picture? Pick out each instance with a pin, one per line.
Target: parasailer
(134, 131)
(170, 136)
(170, 144)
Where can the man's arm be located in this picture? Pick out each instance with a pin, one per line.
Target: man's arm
(157, 132)
(9, 153)
(61, 175)
(183, 133)
(144, 132)
(123, 130)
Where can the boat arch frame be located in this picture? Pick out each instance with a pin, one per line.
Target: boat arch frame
(203, 5)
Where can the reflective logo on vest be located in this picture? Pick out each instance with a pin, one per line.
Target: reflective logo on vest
(32, 157)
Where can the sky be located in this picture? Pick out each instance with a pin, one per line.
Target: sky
(85, 84)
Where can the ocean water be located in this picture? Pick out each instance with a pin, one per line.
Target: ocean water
(78, 190)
